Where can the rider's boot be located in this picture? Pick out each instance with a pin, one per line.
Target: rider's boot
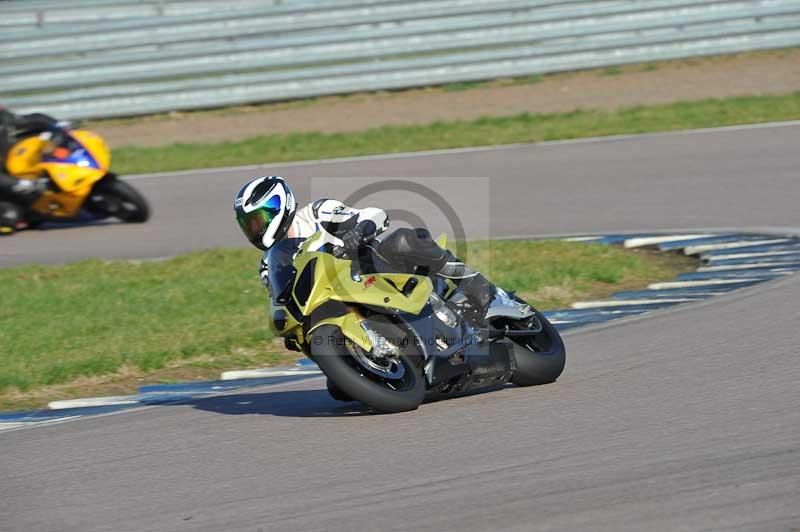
(9, 217)
(478, 293)
(476, 290)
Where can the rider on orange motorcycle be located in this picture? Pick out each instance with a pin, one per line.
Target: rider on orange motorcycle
(19, 194)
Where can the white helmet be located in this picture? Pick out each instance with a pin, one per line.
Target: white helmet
(265, 209)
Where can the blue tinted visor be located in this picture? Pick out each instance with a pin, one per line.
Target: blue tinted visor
(254, 223)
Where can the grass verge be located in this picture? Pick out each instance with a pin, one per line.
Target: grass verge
(98, 328)
(524, 127)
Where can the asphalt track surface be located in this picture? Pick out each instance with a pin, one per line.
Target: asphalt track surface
(684, 419)
(740, 177)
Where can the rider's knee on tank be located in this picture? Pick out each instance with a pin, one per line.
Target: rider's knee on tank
(415, 251)
(412, 249)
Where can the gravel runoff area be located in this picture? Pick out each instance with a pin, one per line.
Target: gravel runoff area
(772, 72)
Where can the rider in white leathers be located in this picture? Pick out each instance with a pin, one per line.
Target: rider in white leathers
(266, 212)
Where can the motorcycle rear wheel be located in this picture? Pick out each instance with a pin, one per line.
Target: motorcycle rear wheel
(540, 358)
(330, 351)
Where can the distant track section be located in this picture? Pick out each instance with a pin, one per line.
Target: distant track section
(689, 180)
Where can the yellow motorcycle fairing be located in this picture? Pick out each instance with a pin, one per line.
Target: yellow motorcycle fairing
(350, 325)
(74, 172)
(321, 278)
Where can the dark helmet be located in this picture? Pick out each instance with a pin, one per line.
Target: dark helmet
(265, 210)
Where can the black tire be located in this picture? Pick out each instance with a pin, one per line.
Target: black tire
(352, 379)
(541, 358)
(338, 394)
(120, 200)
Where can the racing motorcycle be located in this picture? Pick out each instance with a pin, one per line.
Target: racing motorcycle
(80, 185)
(390, 340)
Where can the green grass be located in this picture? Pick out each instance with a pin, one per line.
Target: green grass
(207, 311)
(524, 127)
(552, 274)
(611, 71)
(92, 317)
(532, 79)
(464, 86)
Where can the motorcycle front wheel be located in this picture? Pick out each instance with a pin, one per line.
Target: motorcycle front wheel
(388, 385)
(118, 199)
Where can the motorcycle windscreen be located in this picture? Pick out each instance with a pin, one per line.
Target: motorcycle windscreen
(280, 262)
(72, 167)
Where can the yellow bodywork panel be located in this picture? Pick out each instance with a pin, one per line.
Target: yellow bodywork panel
(332, 280)
(75, 182)
(350, 325)
(96, 146)
(25, 156)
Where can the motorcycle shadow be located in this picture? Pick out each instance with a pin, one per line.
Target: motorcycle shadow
(50, 226)
(302, 403)
(299, 403)
(56, 226)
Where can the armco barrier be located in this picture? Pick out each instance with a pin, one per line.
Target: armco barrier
(118, 57)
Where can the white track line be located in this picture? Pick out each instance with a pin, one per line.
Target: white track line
(11, 425)
(731, 267)
(753, 255)
(260, 373)
(690, 284)
(652, 240)
(126, 411)
(700, 248)
(582, 238)
(626, 302)
(94, 401)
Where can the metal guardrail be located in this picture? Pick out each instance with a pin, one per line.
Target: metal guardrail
(30, 14)
(195, 56)
(303, 23)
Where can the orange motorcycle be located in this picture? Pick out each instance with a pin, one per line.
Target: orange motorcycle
(80, 185)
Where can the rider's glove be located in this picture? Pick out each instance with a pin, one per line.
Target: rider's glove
(64, 124)
(358, 236)
(351, 240)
